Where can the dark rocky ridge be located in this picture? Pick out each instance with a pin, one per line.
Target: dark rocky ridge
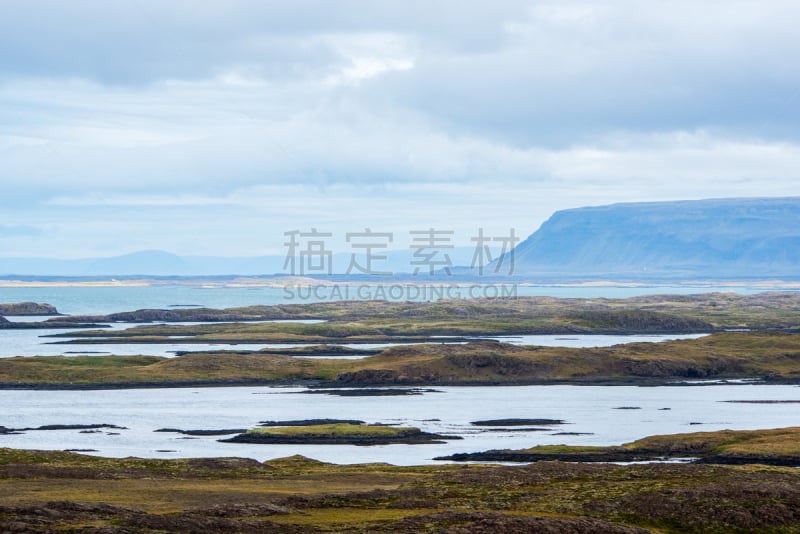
(28, 308)
(5, 430)
(349, 433)
(517, 422)
(49, 324)
(203, 432)
(372, 392)
(406, 438)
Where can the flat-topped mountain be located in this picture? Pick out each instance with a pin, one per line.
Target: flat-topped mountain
(753, 238)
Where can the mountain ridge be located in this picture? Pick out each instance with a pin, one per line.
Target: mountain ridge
(723, 238)
(715, 237)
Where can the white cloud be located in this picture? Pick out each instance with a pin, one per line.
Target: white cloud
(364, 68)
(228, 121)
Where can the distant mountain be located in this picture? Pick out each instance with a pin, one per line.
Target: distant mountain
(146, 262)
(753, 238)
(142, 263)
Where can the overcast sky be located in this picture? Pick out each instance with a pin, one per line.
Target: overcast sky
(210, 128)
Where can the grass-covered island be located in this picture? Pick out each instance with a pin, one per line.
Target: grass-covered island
(28, 309)
(770, 356)
(719, 310)
(770, 447)
(339, 433)
(752, 336)
(394, 322)
(60, 491)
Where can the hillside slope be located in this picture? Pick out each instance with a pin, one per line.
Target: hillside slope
(754, 237)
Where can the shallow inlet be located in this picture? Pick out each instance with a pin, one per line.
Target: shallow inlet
(30, 343)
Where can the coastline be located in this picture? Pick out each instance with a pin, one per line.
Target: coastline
(279, 282)
(322, 384)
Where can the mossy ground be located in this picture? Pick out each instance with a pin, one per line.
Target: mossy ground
(774, 352)
(722, 310)
(320, 497)
(338, 429)
(722, 355)
(773, 442)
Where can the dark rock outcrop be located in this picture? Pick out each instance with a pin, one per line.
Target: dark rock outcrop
(407, 436)
(27, 308)
(517, 422)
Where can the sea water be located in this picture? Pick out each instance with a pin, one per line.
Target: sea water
(588, 410)
(591, 410)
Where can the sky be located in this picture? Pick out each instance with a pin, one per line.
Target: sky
(211, 128)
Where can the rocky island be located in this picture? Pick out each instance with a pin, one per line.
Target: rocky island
(346, 433)
(28, 309)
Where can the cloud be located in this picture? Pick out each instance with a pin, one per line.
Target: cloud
(148, 40)
(165, 121)
(580, 69)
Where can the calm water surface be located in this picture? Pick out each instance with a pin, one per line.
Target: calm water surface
(586, 409)
(589, 409)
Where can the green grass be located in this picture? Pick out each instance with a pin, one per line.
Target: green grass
(385, 329)
(375, 322)
(337, 429)
(719, 309)
(772, 442)
(721, 355)
(373, 497)
(779, 442)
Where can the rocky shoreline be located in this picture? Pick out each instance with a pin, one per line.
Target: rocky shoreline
(518, 422)
(5, 324)
(29, 309)
(370, 384)
(203, 432)
(619, 457)
(774, 447)
(82, 427)
(411, 438)
(322, 432)
(371, 392)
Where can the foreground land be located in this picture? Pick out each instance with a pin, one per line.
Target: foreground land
(47, 491)
(743, 486)
(770, 356)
